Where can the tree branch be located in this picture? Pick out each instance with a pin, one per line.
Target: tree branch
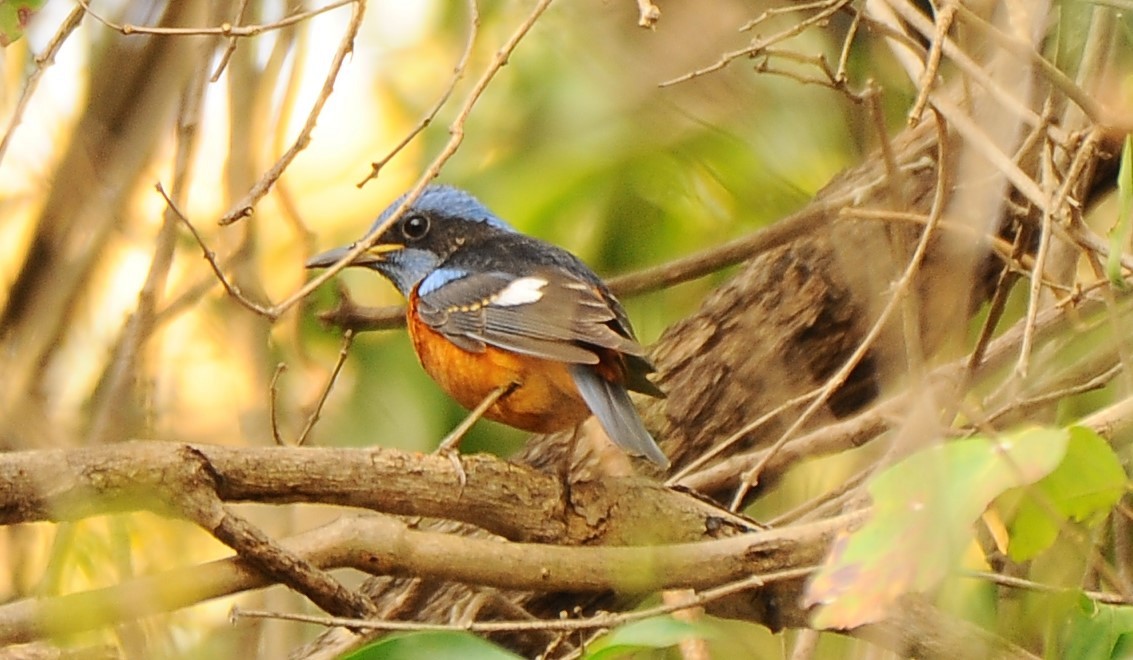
(510, 500)
(385, 546)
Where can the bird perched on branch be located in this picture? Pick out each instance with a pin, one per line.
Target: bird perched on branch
(509, 321)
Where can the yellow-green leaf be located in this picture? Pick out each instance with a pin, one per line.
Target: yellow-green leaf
(923, 510)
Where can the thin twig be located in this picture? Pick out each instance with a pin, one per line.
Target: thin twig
(842, 488)
(1122, 542)
(1097, 382)
(1010, 273)
(42, 62)
(974, 70)
(827, 9)
(273, 396)
(900, 289)
(847, 43)
(830, 79)
(602, 620)
(1000, 246)
(1045, 234)
(458, 73)
(1006, 281)
(232, 289)
(739, 435)
(347, 340)
(806, 644)
(448, 446)
(452, 441)
(1058, 198)
(894, 175)
(232, 40)
(789, 9)
(1089, 105)
(243, 208)
(223, 30)
(194, 292)
(944, 17)
(1030, 585)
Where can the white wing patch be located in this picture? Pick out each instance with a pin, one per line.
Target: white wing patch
(523, 291)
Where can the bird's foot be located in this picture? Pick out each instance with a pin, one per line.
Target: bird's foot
(451, 443)
(450, 448)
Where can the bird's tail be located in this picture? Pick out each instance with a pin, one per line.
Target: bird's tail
(610, 403)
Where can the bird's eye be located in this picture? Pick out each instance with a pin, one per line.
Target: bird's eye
(415, 227)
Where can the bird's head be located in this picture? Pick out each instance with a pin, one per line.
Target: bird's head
(441, 220)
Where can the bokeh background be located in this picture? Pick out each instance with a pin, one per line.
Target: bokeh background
(575, 141)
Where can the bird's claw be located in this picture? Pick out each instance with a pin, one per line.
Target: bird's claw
(450, 448)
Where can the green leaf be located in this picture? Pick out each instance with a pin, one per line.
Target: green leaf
(1096, 631)
(1088, 482)
(653, 633)
(429, 644)
(14, 17)
(923, 510)
(1122, 230)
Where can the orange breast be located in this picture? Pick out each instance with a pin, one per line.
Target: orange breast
(545, 400)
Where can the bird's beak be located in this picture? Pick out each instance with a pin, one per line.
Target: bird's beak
(371, 256)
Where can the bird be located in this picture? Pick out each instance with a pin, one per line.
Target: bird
(492, 311)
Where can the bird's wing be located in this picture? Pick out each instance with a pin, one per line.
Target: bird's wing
(548, 315)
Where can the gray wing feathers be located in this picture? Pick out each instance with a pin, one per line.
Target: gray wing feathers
(611, 404)
(565, 314)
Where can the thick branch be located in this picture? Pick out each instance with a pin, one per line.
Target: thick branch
(510, 500)
(193, 495)
(386, 546)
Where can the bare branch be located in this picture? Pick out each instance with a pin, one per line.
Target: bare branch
(222, 30)
(458, 73)
(243, 208)
(604, 620)
(210, 256)
(347, 340)
(901, 288)
(190, 491)
(826, 9)
(232, 40)
(383, 545)
(507, 499)
(42, 62)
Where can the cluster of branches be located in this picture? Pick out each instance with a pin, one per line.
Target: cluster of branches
(809, 350)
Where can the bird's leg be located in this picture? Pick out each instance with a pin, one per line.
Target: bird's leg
(451, 442)
(566, 465)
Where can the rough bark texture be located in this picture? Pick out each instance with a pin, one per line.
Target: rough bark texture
(508, 500)
(786, 322)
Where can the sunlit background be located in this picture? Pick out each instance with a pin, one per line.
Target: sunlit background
(574, 142)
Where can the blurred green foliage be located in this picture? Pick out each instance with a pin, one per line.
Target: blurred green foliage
(924, 507)
(410, 646)
(576, 142)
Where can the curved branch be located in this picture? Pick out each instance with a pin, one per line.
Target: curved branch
(385, 546)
